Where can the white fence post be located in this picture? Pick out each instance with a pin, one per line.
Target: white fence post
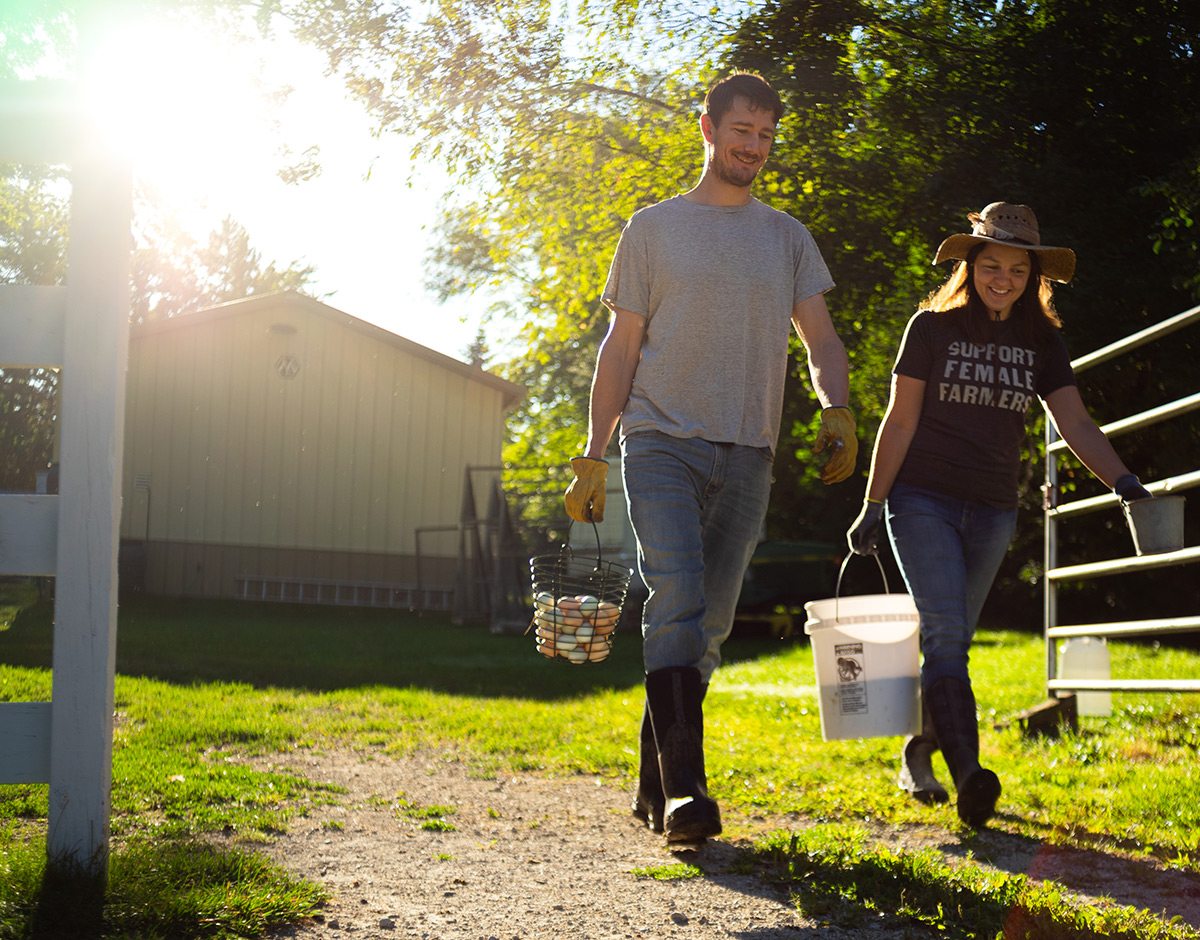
(92, 402)
(83, 328)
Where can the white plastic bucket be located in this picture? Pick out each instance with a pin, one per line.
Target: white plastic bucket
(1087, 657)
(1156, 524)
(866, 651)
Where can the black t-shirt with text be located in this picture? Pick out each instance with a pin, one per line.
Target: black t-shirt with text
(968, 441)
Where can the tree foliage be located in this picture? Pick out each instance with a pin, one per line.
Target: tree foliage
(172, 273)
(559, 121)
(914, 114)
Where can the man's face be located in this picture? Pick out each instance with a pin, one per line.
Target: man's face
(740, 144)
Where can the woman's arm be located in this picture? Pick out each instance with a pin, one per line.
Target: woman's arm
(891, 447)
(895, 435)
(1086, 440)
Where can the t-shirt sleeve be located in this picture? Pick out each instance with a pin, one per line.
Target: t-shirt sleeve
(915, 358)
(1056, 372)
(812, 275)
(628, 285)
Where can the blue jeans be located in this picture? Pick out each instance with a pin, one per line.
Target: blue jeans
(697, 511)
(949, 551)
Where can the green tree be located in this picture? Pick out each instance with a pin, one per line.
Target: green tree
(28, 412)
(29, 31)
(556, 141)
(913, 114)
(172, 273)
(33, 225)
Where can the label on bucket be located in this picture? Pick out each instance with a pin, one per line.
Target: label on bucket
(852, 680)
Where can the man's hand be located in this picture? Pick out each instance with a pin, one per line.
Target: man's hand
(863, 535)
(585, 495)
(837, 431)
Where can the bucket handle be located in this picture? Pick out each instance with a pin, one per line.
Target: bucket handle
(566, 550)
(837, 594)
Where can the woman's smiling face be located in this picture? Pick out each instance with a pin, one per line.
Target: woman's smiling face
(1001, 273)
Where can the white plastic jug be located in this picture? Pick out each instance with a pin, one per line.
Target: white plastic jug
(1087, 657)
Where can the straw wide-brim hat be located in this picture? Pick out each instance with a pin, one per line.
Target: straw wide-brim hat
(1007, 223)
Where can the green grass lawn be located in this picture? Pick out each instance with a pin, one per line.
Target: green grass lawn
(199, 681)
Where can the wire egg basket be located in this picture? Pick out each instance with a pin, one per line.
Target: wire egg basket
(577, 602)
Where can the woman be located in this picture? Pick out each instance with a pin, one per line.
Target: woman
(946, 465)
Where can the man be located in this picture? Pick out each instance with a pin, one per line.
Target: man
(704, 290)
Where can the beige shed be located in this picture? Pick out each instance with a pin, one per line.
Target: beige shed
(277, 448)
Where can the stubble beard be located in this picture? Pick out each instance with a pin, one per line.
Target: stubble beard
(734, 174)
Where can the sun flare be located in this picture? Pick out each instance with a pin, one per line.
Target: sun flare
(194, 112)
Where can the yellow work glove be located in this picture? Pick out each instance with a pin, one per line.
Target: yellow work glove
(837, 431)
(585, 495)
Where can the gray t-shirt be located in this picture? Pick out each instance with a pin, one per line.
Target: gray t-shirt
(716, 285)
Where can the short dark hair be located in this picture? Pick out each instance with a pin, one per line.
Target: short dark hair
(749, 85)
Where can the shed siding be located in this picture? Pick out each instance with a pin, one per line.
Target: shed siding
(325, 474)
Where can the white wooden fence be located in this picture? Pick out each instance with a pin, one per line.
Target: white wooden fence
(83, 329)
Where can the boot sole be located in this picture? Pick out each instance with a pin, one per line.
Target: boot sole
(977, 798)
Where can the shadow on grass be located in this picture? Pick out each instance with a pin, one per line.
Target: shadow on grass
(864, 888)
(1130, 879)
(322, 649)
(69, 903)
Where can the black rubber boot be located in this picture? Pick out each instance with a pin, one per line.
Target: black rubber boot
(952, 706)
(649, 802)
(675, 699)
(916, 765)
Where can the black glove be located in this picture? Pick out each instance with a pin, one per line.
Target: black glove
(863, 535)
(1129, 489)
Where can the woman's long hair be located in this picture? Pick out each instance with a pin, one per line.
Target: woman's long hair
(1033, 315)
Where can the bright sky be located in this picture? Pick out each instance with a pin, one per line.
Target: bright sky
(203, 139)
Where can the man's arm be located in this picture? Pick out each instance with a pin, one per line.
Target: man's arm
(829, 371)
(828, 367)
(615, 366)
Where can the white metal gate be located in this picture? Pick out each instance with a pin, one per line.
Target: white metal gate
(1056, 512)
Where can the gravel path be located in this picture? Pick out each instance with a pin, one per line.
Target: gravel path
(532, 858)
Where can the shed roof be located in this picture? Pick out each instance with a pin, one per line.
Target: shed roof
(295, 300)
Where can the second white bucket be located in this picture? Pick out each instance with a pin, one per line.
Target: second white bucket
(866, 651)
